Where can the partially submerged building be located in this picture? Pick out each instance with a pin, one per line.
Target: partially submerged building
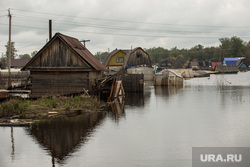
(138, 62)
(115, 58)
(168, 77)
(135, 61)
(180, 62)
(230, 60)
(63, 66)
(243, 64)
(166, 64)
(114, 61)
(230, 69)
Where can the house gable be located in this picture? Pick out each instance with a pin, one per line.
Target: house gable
(117, 59)
(137, 57)
(57, 54)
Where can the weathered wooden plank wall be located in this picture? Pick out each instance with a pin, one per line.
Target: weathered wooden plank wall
(138, 57)
(50, 83)
(58, 55)
(133, 82)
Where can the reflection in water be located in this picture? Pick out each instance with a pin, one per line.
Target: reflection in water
(235, 93)
(62, 136)
(117, 109)
(167, 90)
(160, 132)
(134, 99)
(12, 145)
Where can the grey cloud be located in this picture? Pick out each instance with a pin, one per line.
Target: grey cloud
(91, 19)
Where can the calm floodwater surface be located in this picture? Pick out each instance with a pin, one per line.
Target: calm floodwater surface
(158, 128)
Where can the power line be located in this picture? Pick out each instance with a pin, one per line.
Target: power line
(122, 34)
(115, 27)
(126, 21)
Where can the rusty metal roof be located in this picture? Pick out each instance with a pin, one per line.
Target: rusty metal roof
(82, 51)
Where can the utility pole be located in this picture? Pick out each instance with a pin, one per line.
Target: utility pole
(9, 51)
(50, 29)
(84, 41)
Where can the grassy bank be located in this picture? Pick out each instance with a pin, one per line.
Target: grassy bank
(47, 107)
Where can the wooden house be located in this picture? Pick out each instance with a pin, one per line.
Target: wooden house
(165, 64)
(127, 58)
(137, 57)
(63, 66)
(243, 64)
(194, 65)
(114, 61)
(19, 63)
(230, 69)
(138, 62)
(115, 58)
(213, 64)
(180, 62)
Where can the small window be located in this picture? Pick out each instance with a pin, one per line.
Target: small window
(119, 59)
(138, 55)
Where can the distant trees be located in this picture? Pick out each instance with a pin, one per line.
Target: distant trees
(232, 47)
(229, 47)
(13, 51)
(24, 56)
(101, 55)
(27, 56)
(14, 55)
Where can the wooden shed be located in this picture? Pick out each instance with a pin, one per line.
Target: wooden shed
(137, 57)
(138, 62)
(63, 66)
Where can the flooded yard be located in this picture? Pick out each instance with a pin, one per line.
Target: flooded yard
(158, 128)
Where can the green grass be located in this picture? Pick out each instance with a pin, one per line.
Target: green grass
(20, 106)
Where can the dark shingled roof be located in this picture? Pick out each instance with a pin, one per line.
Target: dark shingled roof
(77, 47)
(19, 62)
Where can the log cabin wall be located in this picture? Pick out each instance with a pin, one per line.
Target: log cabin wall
(63, 66)
(50, 83)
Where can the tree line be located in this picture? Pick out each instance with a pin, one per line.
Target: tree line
(14, 54)
(229, 47)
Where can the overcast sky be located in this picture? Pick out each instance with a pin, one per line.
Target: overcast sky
(111, 24)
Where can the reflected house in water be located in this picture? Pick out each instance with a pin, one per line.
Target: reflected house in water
(167, 91)
(134, 99)
(61, 137)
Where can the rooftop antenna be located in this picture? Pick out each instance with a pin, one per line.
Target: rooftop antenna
(85, 41)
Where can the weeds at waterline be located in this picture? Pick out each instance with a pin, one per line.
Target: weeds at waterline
(24, 107)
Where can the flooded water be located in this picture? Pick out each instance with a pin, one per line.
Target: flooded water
(158, 128)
